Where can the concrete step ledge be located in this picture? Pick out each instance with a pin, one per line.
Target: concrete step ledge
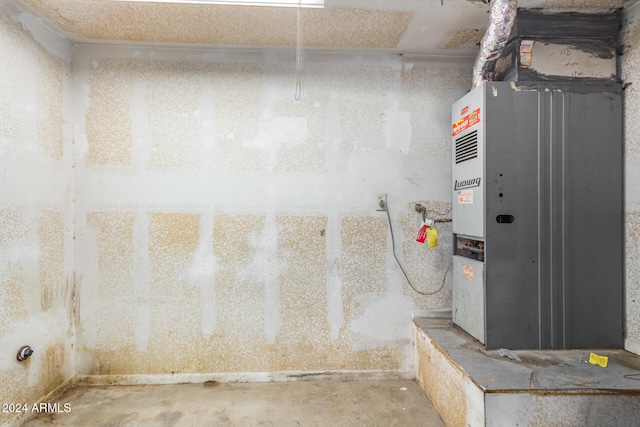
(470, 386)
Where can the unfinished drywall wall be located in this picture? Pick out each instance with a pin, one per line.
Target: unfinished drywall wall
(631, 72)
(36, 280)
(223, 226)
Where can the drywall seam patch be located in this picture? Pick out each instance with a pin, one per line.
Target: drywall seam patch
(335, 310)
(141, 277)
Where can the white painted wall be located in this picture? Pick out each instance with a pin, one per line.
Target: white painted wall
(213, 146)
(36, 211)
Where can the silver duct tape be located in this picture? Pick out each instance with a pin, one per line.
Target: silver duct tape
(502, 19)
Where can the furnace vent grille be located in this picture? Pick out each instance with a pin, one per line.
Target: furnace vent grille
(467, 147)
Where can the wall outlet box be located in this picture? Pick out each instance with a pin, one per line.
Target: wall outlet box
(381, 202)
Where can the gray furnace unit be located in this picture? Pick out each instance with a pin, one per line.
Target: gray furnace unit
(538, 216)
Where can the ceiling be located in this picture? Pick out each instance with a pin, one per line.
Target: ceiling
(420, 27)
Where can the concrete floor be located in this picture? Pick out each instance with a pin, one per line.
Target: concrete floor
(302, 403)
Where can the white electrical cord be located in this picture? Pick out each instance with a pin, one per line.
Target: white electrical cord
(393, 249)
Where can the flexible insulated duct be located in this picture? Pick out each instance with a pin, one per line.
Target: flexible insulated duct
(503, 17)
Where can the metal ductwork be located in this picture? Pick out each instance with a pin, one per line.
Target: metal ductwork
(503, 16)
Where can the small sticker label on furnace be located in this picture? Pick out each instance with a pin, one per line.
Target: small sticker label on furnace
(467, 272)
(465, 197)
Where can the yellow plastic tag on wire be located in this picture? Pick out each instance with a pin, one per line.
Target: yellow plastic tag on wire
(432, 237)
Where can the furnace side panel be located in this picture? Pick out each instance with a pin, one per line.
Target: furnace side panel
(468, 211)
